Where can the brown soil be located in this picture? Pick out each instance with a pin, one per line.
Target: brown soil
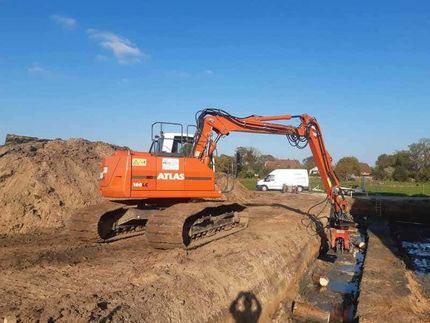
(42, 181)
(232, 189)
(48, 275)
(52, 277)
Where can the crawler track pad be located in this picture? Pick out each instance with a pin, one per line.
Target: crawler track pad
(190, 225)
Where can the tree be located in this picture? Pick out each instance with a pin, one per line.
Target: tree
(385, 160)
(309, 162)
(249, 162)
(402, 166)
(397, 166)
(224, 163)
(347, 167)
(419, 154)
(384, 167)
(405, 164)
(400, 173)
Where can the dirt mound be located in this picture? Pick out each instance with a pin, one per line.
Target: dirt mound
(42, 181)
(239, 193)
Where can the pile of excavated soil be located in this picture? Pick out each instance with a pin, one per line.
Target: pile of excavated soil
(42, 181)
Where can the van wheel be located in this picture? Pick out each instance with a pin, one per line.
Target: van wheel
(299, 188)
(264, 188)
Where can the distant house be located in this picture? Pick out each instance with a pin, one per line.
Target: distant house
(314, 171)
(365, 169)
(282, 163)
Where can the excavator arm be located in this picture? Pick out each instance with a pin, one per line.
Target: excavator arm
(217, 122)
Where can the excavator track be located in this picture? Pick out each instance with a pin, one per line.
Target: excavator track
(94, 223)
(182, 225)
(190, 225)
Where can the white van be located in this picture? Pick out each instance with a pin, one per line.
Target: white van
(280, 177)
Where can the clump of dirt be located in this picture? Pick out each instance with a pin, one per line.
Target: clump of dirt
(42, 181)
(232, 189)
(239, 193)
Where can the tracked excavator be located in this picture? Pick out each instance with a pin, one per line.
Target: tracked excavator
(170, 192)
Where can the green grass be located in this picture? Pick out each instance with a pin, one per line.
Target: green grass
(249, 183)
(375, 187)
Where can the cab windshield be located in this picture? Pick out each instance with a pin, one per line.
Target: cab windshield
(269, 178)
(176, 146)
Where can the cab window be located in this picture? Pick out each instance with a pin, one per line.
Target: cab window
(269, 178)
(177, 146)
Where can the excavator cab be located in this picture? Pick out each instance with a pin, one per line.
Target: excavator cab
(177, 144)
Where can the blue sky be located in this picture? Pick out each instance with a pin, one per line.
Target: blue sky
(106, 70)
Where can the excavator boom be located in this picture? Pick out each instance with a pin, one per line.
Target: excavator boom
(210, 121)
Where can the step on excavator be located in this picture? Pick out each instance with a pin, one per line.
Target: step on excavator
(170, 192)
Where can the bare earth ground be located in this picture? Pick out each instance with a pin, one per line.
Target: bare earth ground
(47, 275)
(51, 277)
(389, 292)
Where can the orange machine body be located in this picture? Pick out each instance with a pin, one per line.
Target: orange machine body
(141, 175)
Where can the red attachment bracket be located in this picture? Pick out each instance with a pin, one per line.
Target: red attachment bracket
(336, 234)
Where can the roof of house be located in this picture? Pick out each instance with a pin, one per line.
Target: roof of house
(365, 168)
(282, 163)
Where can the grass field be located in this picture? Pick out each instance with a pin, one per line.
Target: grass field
(373, 187)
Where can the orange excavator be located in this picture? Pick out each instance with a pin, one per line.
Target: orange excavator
(172, 193)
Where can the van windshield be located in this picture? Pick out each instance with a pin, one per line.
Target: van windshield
(269, 178)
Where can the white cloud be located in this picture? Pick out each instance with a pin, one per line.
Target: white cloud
(209, 72)
(36, 69)
(123, 49)
(65, 22)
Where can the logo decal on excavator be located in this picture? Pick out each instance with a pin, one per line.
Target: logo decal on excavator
(171, 176)
(138, 162)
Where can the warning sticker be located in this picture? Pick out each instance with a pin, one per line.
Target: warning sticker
(170, 164)
(138, 162)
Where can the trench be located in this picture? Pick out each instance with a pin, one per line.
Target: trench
(413, 239)
(408, 223)
(407, 227)
(337, 301)
(405, 236)
(398, 251)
